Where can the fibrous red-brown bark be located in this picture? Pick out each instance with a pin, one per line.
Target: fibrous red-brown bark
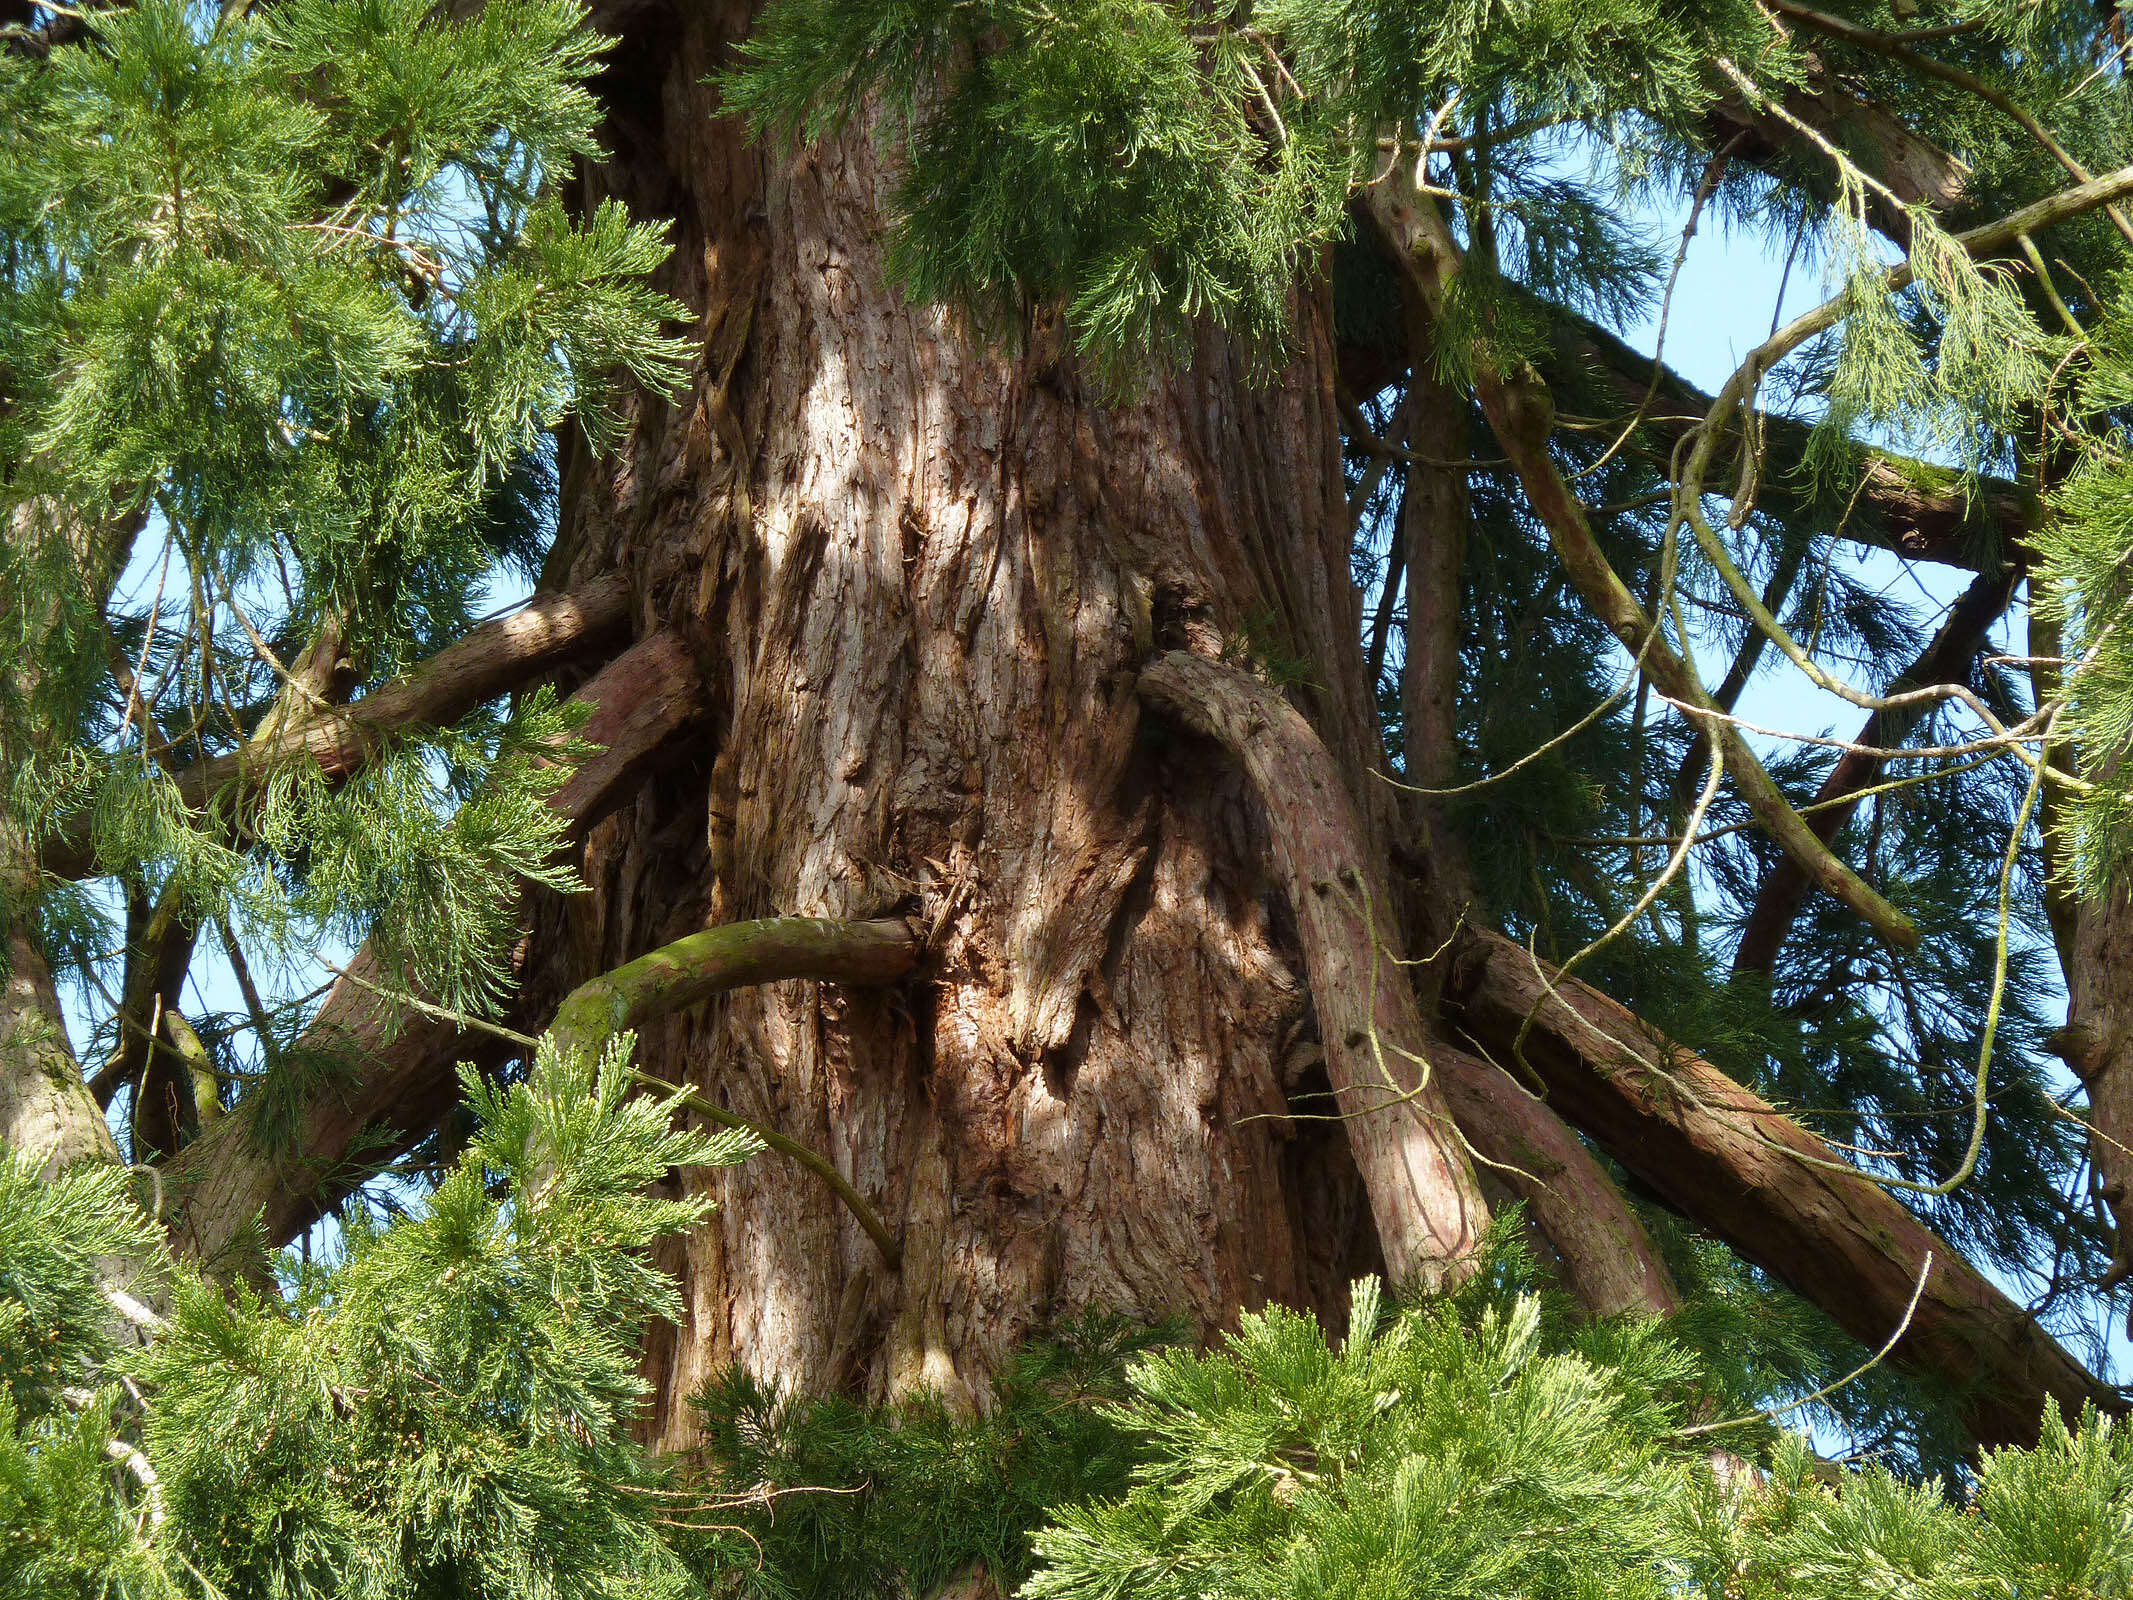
(921, 578)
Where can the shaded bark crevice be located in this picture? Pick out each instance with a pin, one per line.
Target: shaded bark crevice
(1428, 1206)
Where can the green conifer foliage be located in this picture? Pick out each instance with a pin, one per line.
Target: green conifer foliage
(290, 310)
(442, 1408)
(1486, 1454)
(290, 293)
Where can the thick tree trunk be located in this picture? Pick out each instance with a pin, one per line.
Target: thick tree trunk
(2097, 1043)
(921, 579)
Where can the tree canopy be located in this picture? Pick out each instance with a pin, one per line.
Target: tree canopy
(299, 310)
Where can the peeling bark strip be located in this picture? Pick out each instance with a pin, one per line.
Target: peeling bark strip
(1429, 1209)
(497, 657)
(1724, 1156)
(397, 1076)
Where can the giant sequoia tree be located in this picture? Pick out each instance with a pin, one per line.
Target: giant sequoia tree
(1122, 664)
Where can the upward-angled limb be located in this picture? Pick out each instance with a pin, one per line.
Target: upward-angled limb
(1521, 415)
(1945, 659)
(1428, 1207)
(497, 657)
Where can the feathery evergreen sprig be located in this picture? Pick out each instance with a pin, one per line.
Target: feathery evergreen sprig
(441, 1407)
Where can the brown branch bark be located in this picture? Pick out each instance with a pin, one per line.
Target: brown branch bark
(1946, 659)
(1918, 510)
(397, 1076)
(1894, 49)
(692, 969)
(1608, 1260)
(1423, 1193)
(497, 657)
(1721, 1154)
(1913, 169)
(160, 940)
(2097, 1043)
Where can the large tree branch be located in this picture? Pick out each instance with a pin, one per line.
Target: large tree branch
(1423, 1194)
(1521, 414)
(732, 956)
(1913, 169)
(1772, 1191)
(395, 1074)
(497, 657)
(1893, 49)
(1946, 659)
(1608, 1260)
(1916, 509)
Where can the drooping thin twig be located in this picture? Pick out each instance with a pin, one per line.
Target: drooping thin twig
(1925, 1271)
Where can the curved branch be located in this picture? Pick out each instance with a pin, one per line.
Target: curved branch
(692, 969)
(678, 975)
(1423, 1194)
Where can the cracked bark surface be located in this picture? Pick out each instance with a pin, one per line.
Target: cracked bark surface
(910, 588)
(921, 578)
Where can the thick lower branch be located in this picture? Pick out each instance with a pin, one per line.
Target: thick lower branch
(1428, 1206)
(692, 969)
(393, 1073)
(1772, 1191)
